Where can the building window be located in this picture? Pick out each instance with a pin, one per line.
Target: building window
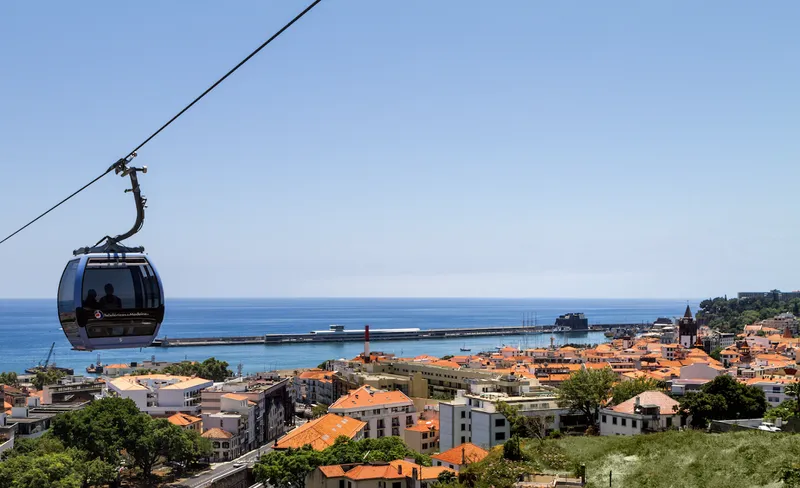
(669, 422)
(624, 422)
(633, 424)
(226, 445)
(604, 419)
(463, 414)
(424, 446)
(463, 439)
(424, 435)
(499, 436)
(216, 445)
(773, 399)
(614, 420)
(463, 426)
(396, 484)
(341, 483)
(349, 484)
(776, 389)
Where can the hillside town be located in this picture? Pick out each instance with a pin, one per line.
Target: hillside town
(453, 408)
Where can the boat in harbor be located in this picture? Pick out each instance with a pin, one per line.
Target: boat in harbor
(465, 348)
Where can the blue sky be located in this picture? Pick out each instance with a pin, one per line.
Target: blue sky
(415, 148)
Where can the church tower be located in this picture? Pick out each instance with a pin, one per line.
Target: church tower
(687, 329)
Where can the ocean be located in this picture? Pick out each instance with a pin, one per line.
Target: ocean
(29, 327)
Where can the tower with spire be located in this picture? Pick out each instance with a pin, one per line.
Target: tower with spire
(687, 329)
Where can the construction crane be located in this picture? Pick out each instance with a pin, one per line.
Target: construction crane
(49, 354)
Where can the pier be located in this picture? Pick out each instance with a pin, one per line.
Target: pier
(375, 335)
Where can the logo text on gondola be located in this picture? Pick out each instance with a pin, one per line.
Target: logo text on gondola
(101, 315)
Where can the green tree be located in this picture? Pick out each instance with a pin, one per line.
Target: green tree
(750, 317)
(9, 379)
(45, 462)
(625, 390)
(47, 377)
(512, 450)
(319, 410)
(793, 391)
(160, 441)
(102, 429)
(586, 391)
(785, 411)
(521, 425)
(210, 369)
(716, 353)
(723, 398)
(289, 468)
(446, 478)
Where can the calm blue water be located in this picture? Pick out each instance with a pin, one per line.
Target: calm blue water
(29, 327)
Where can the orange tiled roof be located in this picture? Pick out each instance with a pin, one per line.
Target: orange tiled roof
(445, 364)
(321, 433)
(367, 396)
(314, 374)
(181, 419)
(454, 456)
(334, 471)
(217, 433)
(425, 472)
(234, 396)
(648, 398)
(424, 425)
(370, 472)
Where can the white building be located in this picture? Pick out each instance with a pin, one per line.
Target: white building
(160, 394)
(314, 386)
(386, 413)
(774, 387)
(237, 416)
(651, 411)
(473, 417)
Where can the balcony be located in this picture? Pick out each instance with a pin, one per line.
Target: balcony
(395, 422)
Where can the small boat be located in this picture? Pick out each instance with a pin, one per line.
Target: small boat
(465, 348)
(609, 333)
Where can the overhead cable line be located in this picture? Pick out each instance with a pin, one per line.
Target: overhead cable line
(116, 166)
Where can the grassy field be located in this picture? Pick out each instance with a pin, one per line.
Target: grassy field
(689, 459)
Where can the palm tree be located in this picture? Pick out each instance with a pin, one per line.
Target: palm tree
(793, 390)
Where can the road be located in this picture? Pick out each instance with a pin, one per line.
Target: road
(217, 470)
(204, 478)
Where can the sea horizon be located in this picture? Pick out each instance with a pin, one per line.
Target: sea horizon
(30, 326)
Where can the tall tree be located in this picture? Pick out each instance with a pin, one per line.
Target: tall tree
(586, 391)
(521, 425)
(9, 379)
(47, 377)
(723, 398)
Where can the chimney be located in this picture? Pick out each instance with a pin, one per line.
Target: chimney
(366, 343)
(463, 456)
(399, 469)
(636, 402)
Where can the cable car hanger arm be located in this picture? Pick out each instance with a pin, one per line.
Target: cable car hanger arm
(112, 244)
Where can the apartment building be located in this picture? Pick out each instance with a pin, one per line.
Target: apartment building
(774, 387)
(473, 417)
(237, 415)
(651, 411)
(423, 437)
(224, 444)
(160, 394)
(314, 386)
(274, 405)
(386, 413)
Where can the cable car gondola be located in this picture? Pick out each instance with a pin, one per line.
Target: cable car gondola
(110, 296)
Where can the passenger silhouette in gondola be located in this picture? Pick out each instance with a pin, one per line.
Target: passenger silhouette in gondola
(109, 300)
(91, 300)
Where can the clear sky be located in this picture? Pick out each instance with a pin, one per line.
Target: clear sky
(410, 148)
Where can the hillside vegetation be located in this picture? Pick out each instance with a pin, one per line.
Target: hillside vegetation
(687, 459)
